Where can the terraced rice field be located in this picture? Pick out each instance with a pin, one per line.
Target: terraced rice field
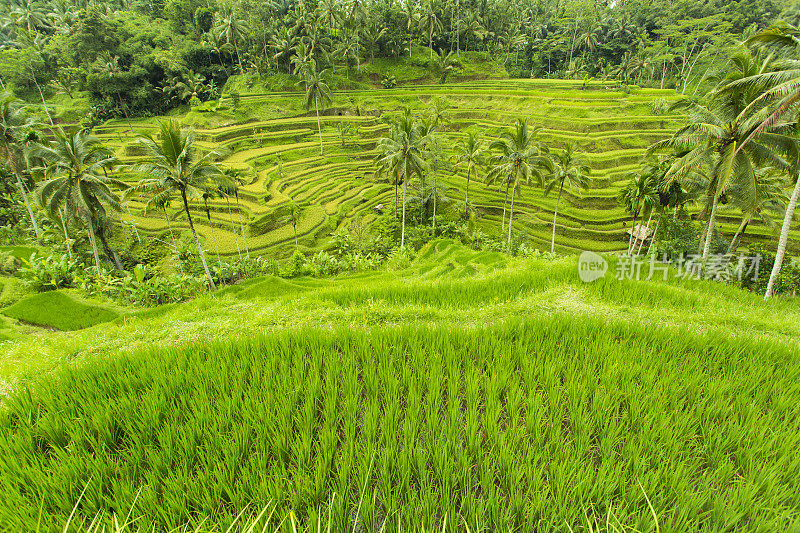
(278, 156)
(467, 391)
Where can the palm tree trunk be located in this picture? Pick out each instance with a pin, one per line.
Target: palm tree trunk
(233, 227)
(430, 42)
(296, 246)
(214, 238)
(466, 198)
(784, 239)
(396, 193)
(738, 237)
(241, 223)
(66, 235)
(403, 224)
(93, 242)
(647, 228)
(124, 109)
(633, 232)
(111, 254)
(133, 223)
(172, 236)
(511, 216)
(319, 126)
(238, 58)
(558, 200)
(655, 232)
(41, 94)
(197, 242)
(27, 205)
(710, 230)
(504, 207)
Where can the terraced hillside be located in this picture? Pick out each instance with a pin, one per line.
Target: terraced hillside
(278, 156)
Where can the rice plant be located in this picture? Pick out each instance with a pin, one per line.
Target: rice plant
(556, 422)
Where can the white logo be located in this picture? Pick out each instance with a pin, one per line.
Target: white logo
(591, 266)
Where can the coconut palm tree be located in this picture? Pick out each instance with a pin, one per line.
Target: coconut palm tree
(74, 166)
(402, 153)
(372, 33)
(521, 157)
(767, 196)
(443, 62)
(713, 143)
(567, 170)
(174, 166)
(430, 23)
(409, 8)
(638, 196)
(780, 89)
(234, 29)
(15, 128)
(317, 93)
(293, 217)
(469, 153)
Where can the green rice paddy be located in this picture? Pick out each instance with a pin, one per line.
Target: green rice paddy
(467, 390)
(272, 130)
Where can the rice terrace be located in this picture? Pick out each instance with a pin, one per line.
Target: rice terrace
(399, 265)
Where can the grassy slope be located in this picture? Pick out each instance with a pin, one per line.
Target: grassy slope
(611, 127)
(60, 310)
(580, 391)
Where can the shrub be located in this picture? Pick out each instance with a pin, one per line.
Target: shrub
(9, 263)
(788, 281)
(231, 272)
(48, 272)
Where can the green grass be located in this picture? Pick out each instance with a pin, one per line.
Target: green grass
(60, 310)
(501, 392)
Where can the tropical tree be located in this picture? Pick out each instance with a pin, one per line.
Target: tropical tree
(76, 182)
(444, 62)
(174, 167)
(713, 142)
(412, 17)
(784, 238)
(780, 88)
(567, 170)
(402, 154)
(29, 14)
(109, 65)
(470, 154)
(317, 93)
(639, 195)
(430, 22)
(372, 33)
(293, 217)
(15, 129)
(764, 195)
(520, 158)
(234, 29)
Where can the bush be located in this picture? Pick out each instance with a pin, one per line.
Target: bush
(144, 287)
(788, 281)
(48, 272)
(226, 273)
(9, 263)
